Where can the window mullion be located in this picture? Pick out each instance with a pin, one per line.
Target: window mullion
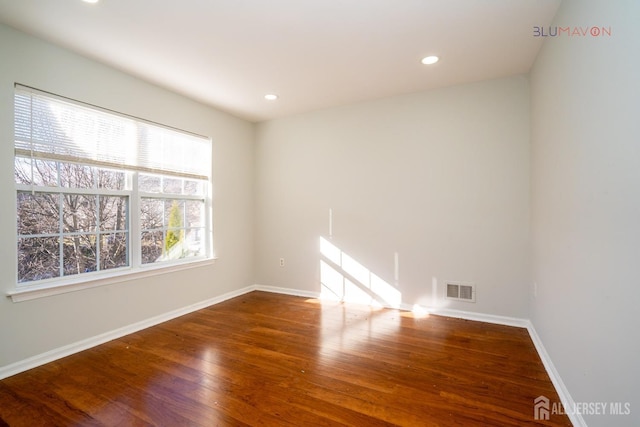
(97, 198)
(135, 234)
(72, 190)
(208, 222)
(61, 234)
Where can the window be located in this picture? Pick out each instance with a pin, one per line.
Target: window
(98, 192)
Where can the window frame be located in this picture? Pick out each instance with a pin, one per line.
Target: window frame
(135, 269)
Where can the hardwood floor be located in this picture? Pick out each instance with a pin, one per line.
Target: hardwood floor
(276, 360)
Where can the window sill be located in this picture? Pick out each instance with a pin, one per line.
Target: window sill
(30, 292)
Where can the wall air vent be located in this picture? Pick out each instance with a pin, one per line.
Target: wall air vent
(461, 291)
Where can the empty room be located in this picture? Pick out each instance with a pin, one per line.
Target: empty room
(286, 213)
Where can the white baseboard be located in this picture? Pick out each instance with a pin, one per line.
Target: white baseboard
(467, 315)
(287, 291)
(567, 401)
(76, 347)
(480, 317)
(67, 350)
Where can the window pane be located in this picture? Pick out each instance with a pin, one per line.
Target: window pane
(193, 187)
(113, 213)
(151, 248)
(111, 180)
(174, 213)
(38, 213)
(151, 213)
(38, 258)
(172, 186)
(195, 213)
(149, 183)
(77, 176)
(174, 238)
(22, 170)
(79, 254)
(79, 213)
(44, 173)
(194, 242)
(113, 251)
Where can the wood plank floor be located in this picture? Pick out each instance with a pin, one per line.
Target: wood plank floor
(275, 360)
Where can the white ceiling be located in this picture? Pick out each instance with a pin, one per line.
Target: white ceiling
(312, 53)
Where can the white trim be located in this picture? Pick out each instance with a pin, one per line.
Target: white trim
(28, 188)
(566, 399)
(287, 291)
(468, 315)
(60, 352)
(480, 317)
(89, 280)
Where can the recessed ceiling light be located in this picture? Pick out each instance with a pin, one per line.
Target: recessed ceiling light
(428, 60)
(91, 1)
(271, 97)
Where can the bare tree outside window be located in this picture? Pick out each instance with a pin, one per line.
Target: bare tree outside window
(63, 233)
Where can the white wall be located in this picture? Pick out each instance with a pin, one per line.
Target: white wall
(586, 204)
(33, 327)
(440, 177)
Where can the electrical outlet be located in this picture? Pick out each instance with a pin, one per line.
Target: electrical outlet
(281, 262)
(535, 289)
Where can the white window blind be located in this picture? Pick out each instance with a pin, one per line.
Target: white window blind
(56, 128)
